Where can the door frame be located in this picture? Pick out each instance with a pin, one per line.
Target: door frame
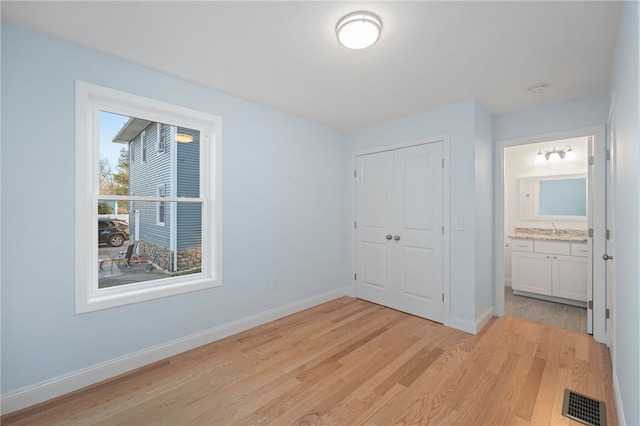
(599, 200)
(445, 213)
(610, 224)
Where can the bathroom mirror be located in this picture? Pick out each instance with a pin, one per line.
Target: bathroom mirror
(553, 197)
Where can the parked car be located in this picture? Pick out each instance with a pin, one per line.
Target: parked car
(113, 232)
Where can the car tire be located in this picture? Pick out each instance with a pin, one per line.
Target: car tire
(115, 240)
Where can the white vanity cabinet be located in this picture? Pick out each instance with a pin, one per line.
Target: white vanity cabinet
(550, 268)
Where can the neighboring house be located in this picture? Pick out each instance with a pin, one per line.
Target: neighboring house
(164, 161)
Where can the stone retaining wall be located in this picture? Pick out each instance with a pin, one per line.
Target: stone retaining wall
(162, 257)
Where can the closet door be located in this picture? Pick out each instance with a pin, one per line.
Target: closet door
(374, 227)
(399, 238)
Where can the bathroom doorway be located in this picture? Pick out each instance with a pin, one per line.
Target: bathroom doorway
(546, 199)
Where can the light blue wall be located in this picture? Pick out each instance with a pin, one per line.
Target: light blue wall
(626, 315)
(458, 122)
(269, 219)
(484, 205)
(273, 226)
(576, 114)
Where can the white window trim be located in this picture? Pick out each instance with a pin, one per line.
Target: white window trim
(90, 99)
(161, 205)
(143, 146)
(161, 143)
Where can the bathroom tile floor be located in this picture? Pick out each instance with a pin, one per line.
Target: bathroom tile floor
(541, 311)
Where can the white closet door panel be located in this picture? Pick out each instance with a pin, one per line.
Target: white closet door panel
(374, 267)
(374, 188)
(417, 264)
(418, 221)
(374, 175)
(418, 186)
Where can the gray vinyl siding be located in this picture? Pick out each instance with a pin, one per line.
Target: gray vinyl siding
(189, 221)
(144, 178)
(189, 226)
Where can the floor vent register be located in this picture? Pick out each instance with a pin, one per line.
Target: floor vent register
(584, 409)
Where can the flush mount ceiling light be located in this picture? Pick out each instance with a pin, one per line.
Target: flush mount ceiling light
(358, 30)
(184, 138)
(555, 155)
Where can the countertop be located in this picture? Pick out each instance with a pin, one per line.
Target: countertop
(566, 235)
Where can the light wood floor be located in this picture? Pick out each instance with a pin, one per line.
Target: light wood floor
(350, 362)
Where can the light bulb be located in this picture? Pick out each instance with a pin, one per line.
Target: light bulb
(570, 155)
(554, 156)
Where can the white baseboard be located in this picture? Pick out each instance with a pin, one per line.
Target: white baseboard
(616, 396)
(484, 319)
(468, 326)
(350, 291)
(61, 385)
(460, 324)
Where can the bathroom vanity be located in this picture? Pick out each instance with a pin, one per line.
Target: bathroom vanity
(550, 264)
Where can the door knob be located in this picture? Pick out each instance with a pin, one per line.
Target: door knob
(397, 238)
(607, 257)
(388, 237)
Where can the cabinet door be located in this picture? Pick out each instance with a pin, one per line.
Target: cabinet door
(570, 277)
(531, 272)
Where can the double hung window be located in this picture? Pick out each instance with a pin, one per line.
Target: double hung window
(166, 209)
(161, 212)
(143, 146)
(161, 139)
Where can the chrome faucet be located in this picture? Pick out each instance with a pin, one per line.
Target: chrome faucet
(553, 229)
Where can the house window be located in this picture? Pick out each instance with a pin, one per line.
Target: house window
(143, 146)
(160, 206)
(162, 138)
(129, 258)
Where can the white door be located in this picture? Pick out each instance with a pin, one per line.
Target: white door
(598, 174)
(592, 275)
(374, 205)
(610, 222)
(399, 229)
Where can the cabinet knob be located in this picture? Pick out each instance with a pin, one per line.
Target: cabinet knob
(397, 238)
(607, 257)
(388, 237)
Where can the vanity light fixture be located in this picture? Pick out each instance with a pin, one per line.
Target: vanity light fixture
(358, 30)
(555, 155)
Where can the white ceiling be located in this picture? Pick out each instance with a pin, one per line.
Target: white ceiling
(284, 55)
